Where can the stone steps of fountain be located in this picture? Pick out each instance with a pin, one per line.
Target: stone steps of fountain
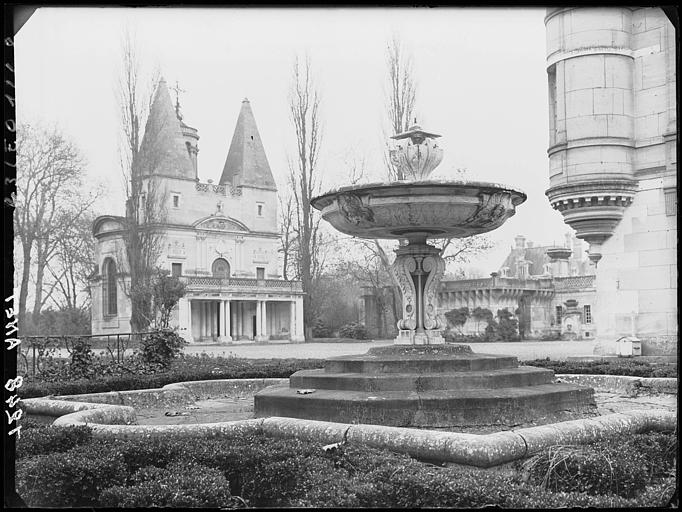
(424, 363)
(476, 379)
(436, 408)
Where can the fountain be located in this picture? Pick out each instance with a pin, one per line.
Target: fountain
(420, 381)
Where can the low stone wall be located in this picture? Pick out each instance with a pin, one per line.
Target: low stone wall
(178, 394)
(622, 383)
(111, 416)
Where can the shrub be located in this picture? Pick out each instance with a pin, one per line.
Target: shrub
(320, 330)
(457, 318)
(260, 471)
(248, 462)
(48, 439)
(81, 358)
(161, 347)
(355, 331)
(178, 485)
(71, 479)
(593, 469)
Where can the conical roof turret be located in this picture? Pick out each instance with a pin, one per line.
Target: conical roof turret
(246, 164)
(164, 150)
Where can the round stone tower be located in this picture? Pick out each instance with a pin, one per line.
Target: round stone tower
(591, 135)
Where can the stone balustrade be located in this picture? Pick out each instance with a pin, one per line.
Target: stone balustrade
(218, 189)
(240, 283)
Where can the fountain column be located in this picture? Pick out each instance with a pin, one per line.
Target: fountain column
(419, 269)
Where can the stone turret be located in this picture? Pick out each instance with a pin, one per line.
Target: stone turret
(165, 149)
(246, 164)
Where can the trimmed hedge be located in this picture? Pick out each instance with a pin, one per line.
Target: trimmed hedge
(631, 367)
(259, 471)
(622, 466)
(178, 485)
(187, 368)
(43, 440)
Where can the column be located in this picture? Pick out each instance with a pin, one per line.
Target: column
(297, 333)
(185, 319)
(202, 319)
(258, 336)
(223, 323)
(264, 317)
(225, 312)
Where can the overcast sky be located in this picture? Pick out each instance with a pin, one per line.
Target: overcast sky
(481, 76)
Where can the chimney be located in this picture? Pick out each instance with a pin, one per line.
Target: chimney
(529, 244)
(520, 241)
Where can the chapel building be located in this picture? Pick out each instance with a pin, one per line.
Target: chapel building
(221, 239)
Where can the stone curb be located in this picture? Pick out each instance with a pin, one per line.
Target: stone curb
(114, 421)
(622, 383)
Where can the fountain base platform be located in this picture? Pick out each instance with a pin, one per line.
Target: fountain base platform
(428, 387)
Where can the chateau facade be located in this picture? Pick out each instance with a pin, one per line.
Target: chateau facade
(220, 239)
(549, 289)
(613, 162)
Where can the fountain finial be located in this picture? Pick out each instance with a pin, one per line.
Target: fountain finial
(420, 156)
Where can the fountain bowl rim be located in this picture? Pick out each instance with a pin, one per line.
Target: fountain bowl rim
(321, 201)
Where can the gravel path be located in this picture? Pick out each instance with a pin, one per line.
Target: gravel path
(524, 350)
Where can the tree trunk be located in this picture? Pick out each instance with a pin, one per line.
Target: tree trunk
(38, 299)
(23, 291)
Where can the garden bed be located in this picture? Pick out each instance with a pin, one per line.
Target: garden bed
(66, 467)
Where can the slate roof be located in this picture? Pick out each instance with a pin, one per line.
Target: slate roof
(536, 255)
(163, 150)
(246, 163)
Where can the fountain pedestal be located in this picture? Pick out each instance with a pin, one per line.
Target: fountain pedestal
(419, 268)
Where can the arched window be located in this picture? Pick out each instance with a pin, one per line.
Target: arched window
(109, 291)
(220, 268)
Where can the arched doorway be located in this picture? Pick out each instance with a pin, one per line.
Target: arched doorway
(220, 268)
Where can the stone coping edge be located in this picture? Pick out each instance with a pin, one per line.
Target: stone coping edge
(116, 421)
(622, 383)
(469, 449)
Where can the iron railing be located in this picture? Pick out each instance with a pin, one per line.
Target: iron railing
(35, 350)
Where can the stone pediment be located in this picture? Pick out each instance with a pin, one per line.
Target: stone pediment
(220, 223)
(107, 223)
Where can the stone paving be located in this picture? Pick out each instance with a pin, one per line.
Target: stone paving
(241, 408)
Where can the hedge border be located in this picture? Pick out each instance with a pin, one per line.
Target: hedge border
(470, 449)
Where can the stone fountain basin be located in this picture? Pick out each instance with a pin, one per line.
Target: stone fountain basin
(431, 209)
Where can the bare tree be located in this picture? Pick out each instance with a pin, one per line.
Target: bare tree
(287, 238)
(401, 96)
(304, 109)
(67, 283)
(372, 273)
(146, 197)
(50, 199)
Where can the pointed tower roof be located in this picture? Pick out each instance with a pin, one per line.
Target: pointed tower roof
(246, 163)
(164, 150)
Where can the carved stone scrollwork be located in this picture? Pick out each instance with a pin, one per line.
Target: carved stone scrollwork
(489, 210)
(435, 266)
(354, 211)
(403, 266)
